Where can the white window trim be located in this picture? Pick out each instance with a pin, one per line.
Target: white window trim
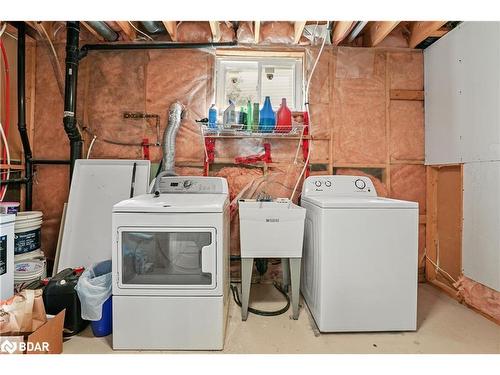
(298, 65)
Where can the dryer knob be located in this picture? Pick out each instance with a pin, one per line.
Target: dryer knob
(360, 184)
(187, 184)
(328, 183)
(317, 183)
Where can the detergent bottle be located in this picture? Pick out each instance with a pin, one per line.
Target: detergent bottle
(249, 123)
(229, 115)
(255, 117)
(212, 116)
(267, 117)
(284, 118)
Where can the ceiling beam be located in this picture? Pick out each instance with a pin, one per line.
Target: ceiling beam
(439, 32)
(376, 32)
(215, 28)
(127, 30)
(341, 30)
(171, 27)
(257, 31)
(298, 29)
(420, 30)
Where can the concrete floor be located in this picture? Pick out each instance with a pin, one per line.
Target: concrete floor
(444, 326)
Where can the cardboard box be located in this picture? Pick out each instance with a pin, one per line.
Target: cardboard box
(47, 339)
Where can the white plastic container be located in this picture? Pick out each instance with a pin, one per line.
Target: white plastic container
(29, 270)
(27, 232)
(271, 229)
(6, 256)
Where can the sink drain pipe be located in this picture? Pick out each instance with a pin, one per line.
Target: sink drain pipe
(71, 81)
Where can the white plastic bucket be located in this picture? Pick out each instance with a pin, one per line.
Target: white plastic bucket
(27, 271)
(27, 232)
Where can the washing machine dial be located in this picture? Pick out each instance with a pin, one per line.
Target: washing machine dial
(318, 183)
(360, 184)
(328, 183)
(187, 184)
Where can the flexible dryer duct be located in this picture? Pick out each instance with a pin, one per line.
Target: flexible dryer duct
(174, 123)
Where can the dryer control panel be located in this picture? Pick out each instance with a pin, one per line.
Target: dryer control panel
(337, 185)
(193, 185)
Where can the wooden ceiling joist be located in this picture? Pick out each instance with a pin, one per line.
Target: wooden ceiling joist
(171, 27)
(341, 30)
(257, 31)
(128, 31)
(420, 30)
(377, 31)
(298, 30)
(215, 28)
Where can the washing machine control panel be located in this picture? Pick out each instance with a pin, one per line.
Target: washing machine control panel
(338, 186)
(193, 185)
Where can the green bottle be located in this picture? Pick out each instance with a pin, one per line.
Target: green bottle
(249, 116)
(255, 117)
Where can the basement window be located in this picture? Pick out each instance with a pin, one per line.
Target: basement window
(253, 78)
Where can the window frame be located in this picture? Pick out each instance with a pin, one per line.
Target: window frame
(223, 62)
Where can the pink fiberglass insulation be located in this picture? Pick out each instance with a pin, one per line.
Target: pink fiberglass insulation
(194, 32)
(479, 296)
(277, 32)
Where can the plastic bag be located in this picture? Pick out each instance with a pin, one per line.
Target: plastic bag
(94, 288)
(23, 313)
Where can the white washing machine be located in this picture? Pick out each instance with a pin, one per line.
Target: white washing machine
(171, 266)
(359, 266)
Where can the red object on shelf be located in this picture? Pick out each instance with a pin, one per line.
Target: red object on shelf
(252, 159)
(284, 118)
(145, 148)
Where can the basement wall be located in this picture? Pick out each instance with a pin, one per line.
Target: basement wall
(350, 101)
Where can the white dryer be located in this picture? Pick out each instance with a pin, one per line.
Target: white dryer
(171, 266)
(359, 266)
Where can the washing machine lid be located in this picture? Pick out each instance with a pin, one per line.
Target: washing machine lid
(326, 201)
(174, 203)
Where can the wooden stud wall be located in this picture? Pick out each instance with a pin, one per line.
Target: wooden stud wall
(444, 226)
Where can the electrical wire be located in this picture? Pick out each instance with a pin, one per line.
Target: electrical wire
(7, 151)
(439, 269)
(44, 34)
(5, 132)
(139, 31)
(236, 296)
(2, 30)
(307, 110)
(90, 146)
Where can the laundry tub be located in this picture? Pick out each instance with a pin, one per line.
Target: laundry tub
(272, 229)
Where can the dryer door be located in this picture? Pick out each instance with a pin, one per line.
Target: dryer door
(167, 258)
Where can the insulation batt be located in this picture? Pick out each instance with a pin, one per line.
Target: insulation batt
(194, 32)
(479, 296)
(227, 32)
(245, 33)
(276, 32)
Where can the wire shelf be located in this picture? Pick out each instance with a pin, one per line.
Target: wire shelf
(240, 131)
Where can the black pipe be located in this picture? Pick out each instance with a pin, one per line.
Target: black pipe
(71, 81)
(21, 113)
(157, 45)
(50, 161)
(14, 181)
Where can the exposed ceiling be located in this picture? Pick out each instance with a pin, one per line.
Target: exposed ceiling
(403, 34)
